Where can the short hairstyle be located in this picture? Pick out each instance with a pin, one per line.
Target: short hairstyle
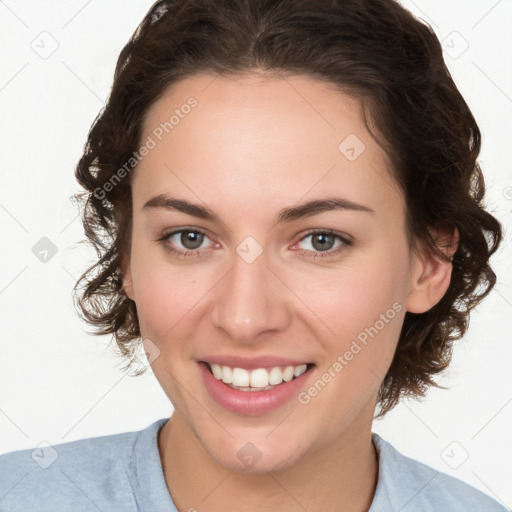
(373, 50)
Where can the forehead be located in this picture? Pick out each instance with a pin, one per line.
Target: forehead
(252, 140)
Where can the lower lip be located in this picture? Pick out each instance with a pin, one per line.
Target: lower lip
(251, 403)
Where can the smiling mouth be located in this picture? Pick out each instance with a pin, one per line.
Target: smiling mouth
(257, 379)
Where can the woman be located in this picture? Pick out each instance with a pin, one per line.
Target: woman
(288, 211)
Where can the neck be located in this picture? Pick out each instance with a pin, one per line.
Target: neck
(341, 475)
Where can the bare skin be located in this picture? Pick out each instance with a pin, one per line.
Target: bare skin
(252, 146)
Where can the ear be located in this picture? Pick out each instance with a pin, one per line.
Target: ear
(431, 274)
(127, 278)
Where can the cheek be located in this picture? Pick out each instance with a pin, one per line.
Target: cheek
(166, 294)
(364, 312)
(361, 309)
(347, 301)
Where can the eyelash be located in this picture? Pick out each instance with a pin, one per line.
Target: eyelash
(310, 254)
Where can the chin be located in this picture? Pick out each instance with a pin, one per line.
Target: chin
(261, 463)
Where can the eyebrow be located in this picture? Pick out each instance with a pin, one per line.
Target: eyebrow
(289, 214)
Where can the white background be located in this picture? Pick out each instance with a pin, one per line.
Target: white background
(58, 383)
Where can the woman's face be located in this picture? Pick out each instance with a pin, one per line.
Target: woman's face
(257, 289)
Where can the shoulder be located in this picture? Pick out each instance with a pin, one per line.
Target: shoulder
(408, 485)
(78, 475)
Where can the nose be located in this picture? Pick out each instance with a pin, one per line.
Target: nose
(251, 300)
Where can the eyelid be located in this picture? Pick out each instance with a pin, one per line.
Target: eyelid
(346, 241)
(344, 236)
(167, 235)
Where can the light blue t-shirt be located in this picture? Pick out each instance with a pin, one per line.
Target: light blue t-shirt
(123, 472)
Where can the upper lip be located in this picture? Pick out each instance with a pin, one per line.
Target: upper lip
(251, 363)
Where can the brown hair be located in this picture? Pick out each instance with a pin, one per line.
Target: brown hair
(374, 50)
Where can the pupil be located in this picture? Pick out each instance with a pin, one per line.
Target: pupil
(191, 237)
(322, 245)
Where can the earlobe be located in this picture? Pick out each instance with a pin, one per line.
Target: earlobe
(431, 274)
(127, 279)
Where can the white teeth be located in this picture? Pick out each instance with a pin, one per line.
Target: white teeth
(275, 376)
(240, 377)
(288, 373)
(217, 371)
(257, 378)
(227, 375)
(299, 370)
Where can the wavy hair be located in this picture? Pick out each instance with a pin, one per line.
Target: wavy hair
(375, 51)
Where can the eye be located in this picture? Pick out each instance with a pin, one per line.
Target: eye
(322, 242)
(190, 239)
